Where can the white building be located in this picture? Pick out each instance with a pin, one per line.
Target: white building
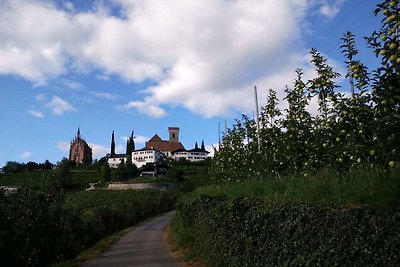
(195, 154)
(155, 150)
(143, 156)
(114, 160)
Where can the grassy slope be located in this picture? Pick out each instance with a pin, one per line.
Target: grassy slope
(355, 188)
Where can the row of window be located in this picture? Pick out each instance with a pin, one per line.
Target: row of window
(143, 152)
(145, 157)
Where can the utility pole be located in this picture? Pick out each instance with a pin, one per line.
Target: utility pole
(257, 120)
(219, 135)
(226, 128)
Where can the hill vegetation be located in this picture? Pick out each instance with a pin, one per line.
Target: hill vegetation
(316, 190)
(51, 218)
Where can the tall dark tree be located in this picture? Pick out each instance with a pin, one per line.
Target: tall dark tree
(130, 145)
(128, 149)
(112, 144)
(105, 172)
(63, 173)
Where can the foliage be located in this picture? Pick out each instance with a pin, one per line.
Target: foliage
(373, 188)
(244, 231)
(105, 172)
(13, 167)
(39, 228)
(318, 189)
(63, 174)
(120, 173)
(360, 131)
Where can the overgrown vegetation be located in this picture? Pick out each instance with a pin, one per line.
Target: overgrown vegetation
(353, 131)
(52, 219)
(316, 190)
(248, 231)
(38, 228)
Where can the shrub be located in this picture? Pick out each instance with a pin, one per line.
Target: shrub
(246, 231)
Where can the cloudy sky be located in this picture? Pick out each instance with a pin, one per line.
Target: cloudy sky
(144, 65)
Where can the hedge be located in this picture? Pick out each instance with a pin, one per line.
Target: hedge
(38, 228)
(248, 231)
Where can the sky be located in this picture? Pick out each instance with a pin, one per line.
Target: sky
(146, 65)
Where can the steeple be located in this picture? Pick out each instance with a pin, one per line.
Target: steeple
(78, 134)
(202, 145)
(112, 144)
(196, 146)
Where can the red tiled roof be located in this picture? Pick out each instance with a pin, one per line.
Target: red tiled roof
(164, 146)
(155, 138)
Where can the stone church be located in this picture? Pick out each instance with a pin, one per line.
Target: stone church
(79, 151)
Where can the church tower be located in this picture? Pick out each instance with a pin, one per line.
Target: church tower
(79, 151)
(173, 134)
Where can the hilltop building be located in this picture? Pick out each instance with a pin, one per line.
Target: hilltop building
(155, 150)
(79, 151)
(167, 147)
(195, 154)
(114, 159)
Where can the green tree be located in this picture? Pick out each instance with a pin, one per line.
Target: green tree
(120, 173)
(105, 172)
(63, 173)
(13, 167)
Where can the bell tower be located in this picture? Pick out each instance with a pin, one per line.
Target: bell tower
(173, 134)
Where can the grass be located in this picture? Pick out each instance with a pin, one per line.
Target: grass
(179, 240)
(182, 236)
(353, 188)
(150, 180)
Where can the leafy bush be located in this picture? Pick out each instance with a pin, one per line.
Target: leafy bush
(354, 131)
(246, 231)
(38, 228)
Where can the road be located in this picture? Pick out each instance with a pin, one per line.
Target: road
(143, 246)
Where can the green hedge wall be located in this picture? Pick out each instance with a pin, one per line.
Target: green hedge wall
(246, 231)
(38, 228)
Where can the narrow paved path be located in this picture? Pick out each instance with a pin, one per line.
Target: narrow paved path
(143, 246)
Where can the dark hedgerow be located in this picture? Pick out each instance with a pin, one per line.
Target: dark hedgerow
(38, 229)
(246, 231)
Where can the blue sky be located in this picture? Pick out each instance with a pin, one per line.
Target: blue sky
(145, 65)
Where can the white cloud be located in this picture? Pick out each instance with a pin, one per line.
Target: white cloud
(99, 150)
(73, 85)
(330, 8)
(41, 97)
(146, 107)
(63, 146)
(25, 155)
(120, 149)
(36, 113)
(107, 96)
(210, 148)
(203, 55)
(139, 139)
(102, 77)
(58, 106)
